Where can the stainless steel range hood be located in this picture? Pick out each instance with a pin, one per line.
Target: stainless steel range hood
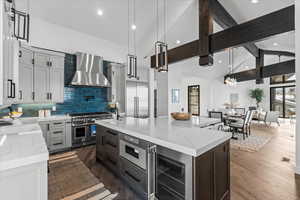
(89, 71)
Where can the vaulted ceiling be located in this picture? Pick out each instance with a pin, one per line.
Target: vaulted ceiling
(182, 24)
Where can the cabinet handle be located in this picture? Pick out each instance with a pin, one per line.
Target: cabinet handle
(21, 94)
(112, 133)
(57, 123)
(132, 176)
(111, 161)
(13, 85)
(50, 96)
(57, 132)
(59, 143)
(9, 88)
(33, 95)
(111, 144)
(48, 127)
(20, 54)
(102, 142)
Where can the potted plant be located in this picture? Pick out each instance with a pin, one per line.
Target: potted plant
(258, 95)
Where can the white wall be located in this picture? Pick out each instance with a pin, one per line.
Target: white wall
(52, 36)
(221, 94)
(178, 80)
(297, 39)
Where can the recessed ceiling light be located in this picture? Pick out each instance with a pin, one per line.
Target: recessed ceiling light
(133, 26)
(178, 41)
(275, 44)
(220, 61)
(100, 12)
(254, 1)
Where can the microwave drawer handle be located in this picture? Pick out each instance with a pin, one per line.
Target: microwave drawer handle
(112, 133)
(132, 176)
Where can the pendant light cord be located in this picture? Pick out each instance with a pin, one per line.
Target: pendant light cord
(134, 32)
(165, 21)
(128, 32)
(157, 21)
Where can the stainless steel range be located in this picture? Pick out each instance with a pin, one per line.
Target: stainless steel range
(84, 128)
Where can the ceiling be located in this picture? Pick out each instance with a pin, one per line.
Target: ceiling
(182, 24)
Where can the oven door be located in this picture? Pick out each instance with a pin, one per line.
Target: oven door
(79, 133)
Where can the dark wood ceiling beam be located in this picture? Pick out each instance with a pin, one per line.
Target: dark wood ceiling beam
(275, 23)
(287, 67)
(272, 24)
(259, 67)
(279, 53)
(225, 20)
(205, 30)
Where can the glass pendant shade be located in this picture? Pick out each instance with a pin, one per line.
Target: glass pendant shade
(161, 56)
(131, 66)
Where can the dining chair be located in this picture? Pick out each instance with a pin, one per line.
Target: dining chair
(272, 116)
(241, 127)
(217, 115)
(240, 111)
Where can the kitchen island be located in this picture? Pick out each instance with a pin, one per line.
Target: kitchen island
(165, 158)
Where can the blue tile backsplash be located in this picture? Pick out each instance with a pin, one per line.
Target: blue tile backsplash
(76, 100)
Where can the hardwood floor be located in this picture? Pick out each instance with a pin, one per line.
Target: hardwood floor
(261, 175)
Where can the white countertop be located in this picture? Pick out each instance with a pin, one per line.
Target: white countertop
(183, 136)
(23, 143)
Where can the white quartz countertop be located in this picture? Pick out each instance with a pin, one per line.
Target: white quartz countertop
(183, 136)
(22, 144)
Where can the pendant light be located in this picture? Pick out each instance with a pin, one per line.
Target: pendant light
(161, 47)
(231, 81)
(131, 56)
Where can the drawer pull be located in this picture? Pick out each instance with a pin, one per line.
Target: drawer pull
(57, 123)
(111, 161)
(132, 176)
(110, 144)
(59, 143)
(57, 132)
(112, 133)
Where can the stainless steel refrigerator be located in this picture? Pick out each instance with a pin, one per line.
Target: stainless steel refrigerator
(137, 99)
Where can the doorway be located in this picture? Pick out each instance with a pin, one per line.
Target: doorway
(194, 99)
(283, 99)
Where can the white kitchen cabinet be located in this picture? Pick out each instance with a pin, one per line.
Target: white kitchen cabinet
(56, 79)
(25, 182)
(25, 94)
(9, 48)
(57, 134)
(42, 76)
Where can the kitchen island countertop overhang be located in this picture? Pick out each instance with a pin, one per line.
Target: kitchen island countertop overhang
(186, 137)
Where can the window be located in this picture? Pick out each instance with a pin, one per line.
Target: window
(283, 99)
(287, 78)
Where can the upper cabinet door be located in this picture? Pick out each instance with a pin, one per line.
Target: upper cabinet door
(56, 79)
(41, 77)
(57, 84)
(25, 93)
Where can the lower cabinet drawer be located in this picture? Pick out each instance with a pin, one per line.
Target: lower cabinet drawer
(112, 162)
(134, 176)
(57, 133)
(57, 142)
